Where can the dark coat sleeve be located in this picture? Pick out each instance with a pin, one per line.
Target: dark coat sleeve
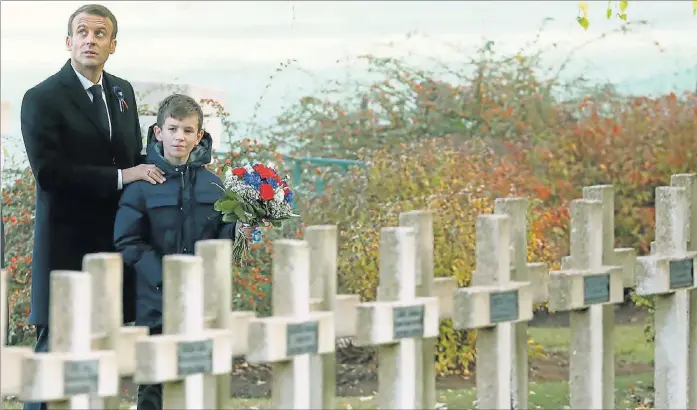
(40, 130)
(227, 230)
(130, 233)
(140, 156)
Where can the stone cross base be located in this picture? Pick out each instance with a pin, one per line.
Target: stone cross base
(59, 376)
(11, 369)
(280, 338)
(175, 357)
(382, 322)
(488, 305)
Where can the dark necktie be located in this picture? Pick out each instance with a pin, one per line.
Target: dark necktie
(100, 107)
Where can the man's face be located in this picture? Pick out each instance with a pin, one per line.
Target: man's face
(91, 42)
(178, 137)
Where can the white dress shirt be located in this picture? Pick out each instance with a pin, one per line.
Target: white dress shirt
(86, 83)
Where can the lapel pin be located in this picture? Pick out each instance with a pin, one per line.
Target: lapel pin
(119, 95)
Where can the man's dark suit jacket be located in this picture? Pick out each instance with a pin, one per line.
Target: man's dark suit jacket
(75, 166)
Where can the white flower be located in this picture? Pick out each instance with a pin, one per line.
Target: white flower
(229, 177)
(248, 168)
(271, 165)
(279, 195)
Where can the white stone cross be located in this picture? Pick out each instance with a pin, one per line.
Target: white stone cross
(185, 351)
(71, 372)
(217, 289)
(686, 181)
(689, 182)
(396, 320)
(491, 304)
(422, 224)
(293, 334)
(108, 332)
(323, 243)
(10, 356)
(624, 258)
(669, 275)
(583, 289)
(427, 285)
(521, 271)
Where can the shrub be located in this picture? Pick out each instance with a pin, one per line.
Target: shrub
(428, 175)
(18, 218)
(496, 131)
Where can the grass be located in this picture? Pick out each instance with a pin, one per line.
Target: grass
(630, 342)
(630, 346)
(553, 395)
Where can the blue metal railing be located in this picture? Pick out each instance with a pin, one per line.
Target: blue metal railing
(343, 164)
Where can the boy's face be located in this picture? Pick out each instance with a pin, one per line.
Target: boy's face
(178, 137)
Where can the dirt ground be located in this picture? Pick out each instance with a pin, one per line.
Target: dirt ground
(361, 380)
(358, 377)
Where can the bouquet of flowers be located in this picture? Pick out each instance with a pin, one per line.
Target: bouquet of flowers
(254, 195)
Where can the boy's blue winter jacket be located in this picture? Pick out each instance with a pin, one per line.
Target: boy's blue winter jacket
(164, 219)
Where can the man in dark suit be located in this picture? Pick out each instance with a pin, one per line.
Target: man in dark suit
(82, 136)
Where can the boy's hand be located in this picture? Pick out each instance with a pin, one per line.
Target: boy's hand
(245, 230)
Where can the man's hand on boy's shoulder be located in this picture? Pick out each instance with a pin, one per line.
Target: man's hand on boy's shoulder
(145, 172)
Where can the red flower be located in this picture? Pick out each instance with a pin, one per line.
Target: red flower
(265, 192)
(239, 171)
(263, 171)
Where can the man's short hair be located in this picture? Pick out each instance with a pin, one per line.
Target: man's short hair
(179, 106)
(94, 10)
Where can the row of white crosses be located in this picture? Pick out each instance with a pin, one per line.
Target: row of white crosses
(591, 281)
(300, 338)
(498, 307)
(409, 324)
(300, 343)
(193, 363)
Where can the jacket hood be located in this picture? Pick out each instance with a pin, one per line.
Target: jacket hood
(200, 156)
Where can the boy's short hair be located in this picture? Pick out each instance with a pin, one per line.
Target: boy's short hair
(179, 106)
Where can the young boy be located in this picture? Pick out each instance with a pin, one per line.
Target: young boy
(168, 218)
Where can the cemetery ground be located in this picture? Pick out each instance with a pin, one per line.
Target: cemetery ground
(357, 378)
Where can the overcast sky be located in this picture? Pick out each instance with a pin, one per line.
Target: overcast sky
(196, 34)
(236, 45)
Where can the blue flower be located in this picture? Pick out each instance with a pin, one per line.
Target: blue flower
(271, 182)
(253, 179)
(289, 197)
